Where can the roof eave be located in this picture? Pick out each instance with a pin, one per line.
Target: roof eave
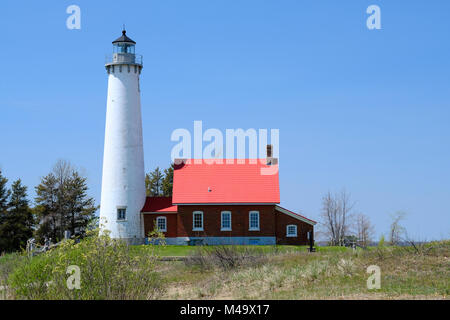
(224, 203)
(295, 215)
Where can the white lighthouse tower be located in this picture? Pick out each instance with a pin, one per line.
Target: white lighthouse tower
(123, 181)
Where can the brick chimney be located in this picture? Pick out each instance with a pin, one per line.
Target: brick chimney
(270, 159)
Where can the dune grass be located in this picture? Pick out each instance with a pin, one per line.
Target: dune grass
(277, 272)
(327, 274)
(181, 251)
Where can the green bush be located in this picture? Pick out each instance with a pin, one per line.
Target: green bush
(108, 270)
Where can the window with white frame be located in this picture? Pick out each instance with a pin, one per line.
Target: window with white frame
(226, 221)
(291, 230)
(161, 224)
(121, 213)
(253, 218)
(197, 221)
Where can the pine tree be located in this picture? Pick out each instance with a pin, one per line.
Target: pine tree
(80, 209)
(4, 196)
(17, 226)
(167, 182)
(63, 203)
(47, 209)
(153, 183)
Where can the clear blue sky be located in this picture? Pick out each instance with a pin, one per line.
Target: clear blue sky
(360, 109)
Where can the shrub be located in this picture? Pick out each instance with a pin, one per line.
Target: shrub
(108, 270)
(8, 263)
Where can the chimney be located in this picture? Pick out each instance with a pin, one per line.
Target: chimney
(270, 159)
(269, 151)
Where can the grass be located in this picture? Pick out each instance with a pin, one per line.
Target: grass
(181, 251)
(290, 272)
(330, 273)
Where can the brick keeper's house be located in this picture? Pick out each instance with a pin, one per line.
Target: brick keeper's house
(223, 203)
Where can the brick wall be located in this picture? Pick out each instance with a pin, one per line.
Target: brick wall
(150, 220)
(239, 221)
(283, 220)
(272, 223)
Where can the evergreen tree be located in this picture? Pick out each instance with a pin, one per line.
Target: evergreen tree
(167, 182)
(63, 203)
(17, 225)
(153, 183)
(4, 196)
(80, 209)
(47, 209)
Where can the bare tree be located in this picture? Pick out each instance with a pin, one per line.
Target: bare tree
(364, 229)
(335, 214)
(396, 230)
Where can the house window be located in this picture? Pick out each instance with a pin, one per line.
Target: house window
(226, 221)
(121, 213)
(291, 230)
(253, 221)
(197, 223)
(161, 224)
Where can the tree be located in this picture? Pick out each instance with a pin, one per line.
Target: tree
(396, 230)
(17, 225)
(63, 203)
(4, 196)
(46, 208)
(79, 208)
(335, 215)
(167, 182)
(153, 183)
(364, 229)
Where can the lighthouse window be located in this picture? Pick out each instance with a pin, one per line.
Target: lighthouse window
(197, 223)
(121, 213)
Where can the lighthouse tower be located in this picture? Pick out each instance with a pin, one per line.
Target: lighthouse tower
(123, 181)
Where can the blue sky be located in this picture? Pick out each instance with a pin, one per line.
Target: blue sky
(365, 110)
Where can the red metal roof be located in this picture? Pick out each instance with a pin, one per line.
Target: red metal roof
(159, 204)
(243, 181)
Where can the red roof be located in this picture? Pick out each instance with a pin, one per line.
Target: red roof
(242, 181)
(159, 204)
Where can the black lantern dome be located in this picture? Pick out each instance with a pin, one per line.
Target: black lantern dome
(124, 38)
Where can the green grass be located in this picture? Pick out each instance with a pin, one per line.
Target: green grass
(180, 251)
